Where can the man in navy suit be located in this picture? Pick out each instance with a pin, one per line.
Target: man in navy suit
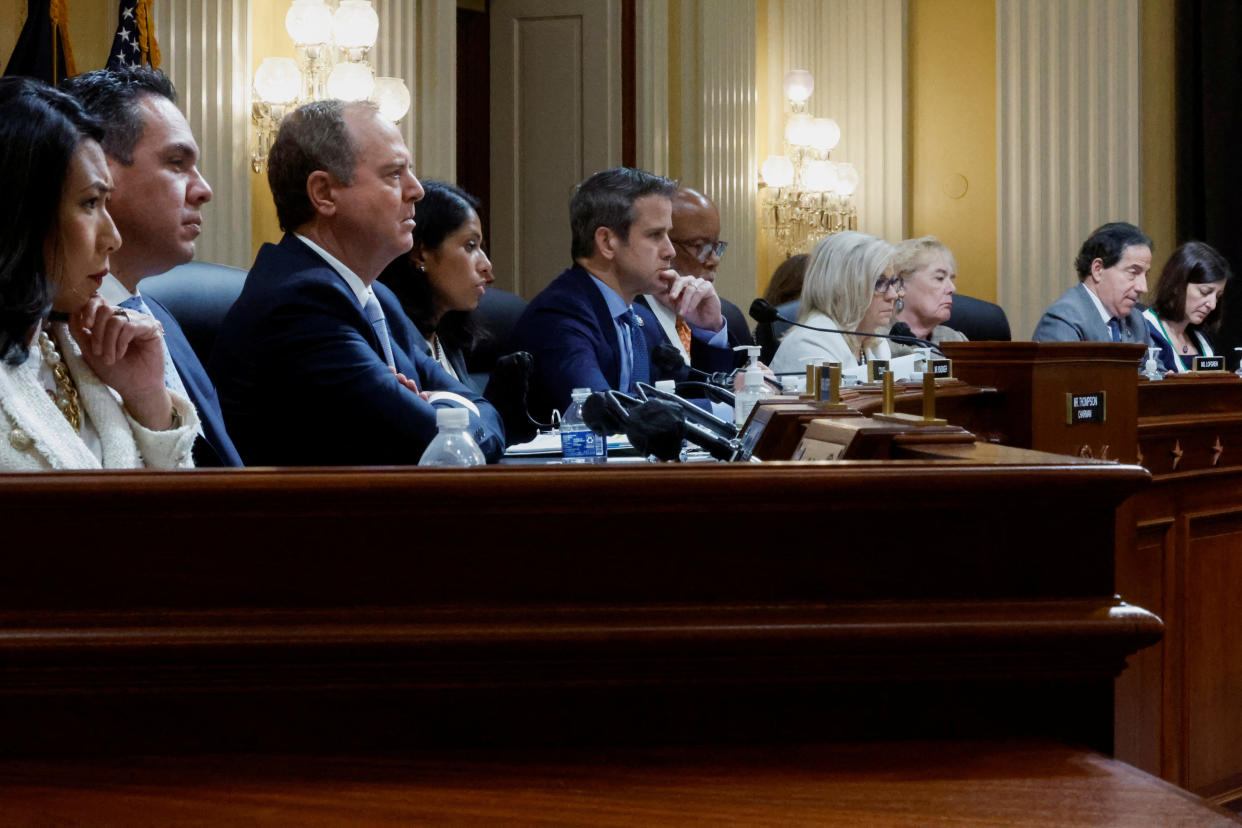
(315, 360)
(584, 329)
(157, 207)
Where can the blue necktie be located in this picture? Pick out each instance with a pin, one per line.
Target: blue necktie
(1114, 325)
(172, 379)
(376, 314)
(640, 371)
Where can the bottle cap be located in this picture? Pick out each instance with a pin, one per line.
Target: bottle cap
(580, 394)
(452, 417)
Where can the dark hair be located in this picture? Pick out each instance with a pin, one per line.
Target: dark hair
(1107, 243)
(442, 210)
(313, 137)
(40, 129)
(113, 96)
(1193, 263)
(786, 283)
(606, 199)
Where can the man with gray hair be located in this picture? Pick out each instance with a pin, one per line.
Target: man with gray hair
(315, 361)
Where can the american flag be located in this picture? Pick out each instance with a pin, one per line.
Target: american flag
(134, 43)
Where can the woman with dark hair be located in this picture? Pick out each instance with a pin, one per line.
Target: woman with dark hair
(81, 382)
(786, 283)
(1186, 305)
(442, 278)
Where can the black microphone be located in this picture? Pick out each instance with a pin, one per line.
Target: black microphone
(507, 389)
(601, 415)
(653, 430)
(669, 360)
(691, 411)
(901, 331)
(761, 310)
(656, 427)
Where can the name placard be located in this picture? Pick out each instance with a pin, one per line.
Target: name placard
(876, 369)
(942, 368)
(1085, 408)
(1209, 363)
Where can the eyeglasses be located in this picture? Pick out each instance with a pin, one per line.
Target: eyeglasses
(702, 250)
(883, 283)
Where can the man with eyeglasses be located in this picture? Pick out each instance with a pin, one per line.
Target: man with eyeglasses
(698, 250)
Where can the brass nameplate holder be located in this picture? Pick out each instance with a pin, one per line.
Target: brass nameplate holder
(814, 377)
(929, 418)
(831, 400)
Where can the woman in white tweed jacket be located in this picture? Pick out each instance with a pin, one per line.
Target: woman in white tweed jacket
(81, 383)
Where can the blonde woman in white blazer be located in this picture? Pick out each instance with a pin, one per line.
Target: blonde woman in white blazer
(81, 383)
(850, 286)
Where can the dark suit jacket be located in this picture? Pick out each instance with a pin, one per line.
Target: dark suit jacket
(217, 449)
(739, 325)
(302, 377)
(570, 333)
(704, 357)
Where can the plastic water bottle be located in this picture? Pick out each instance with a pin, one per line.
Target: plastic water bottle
(579, 444)
(453, 445)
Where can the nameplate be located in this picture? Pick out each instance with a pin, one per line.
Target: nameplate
(942, 368)
(876, 369)
(1209, 363)
(1085, 408)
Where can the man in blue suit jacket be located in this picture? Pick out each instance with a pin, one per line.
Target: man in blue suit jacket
(585, 329)
(1112, 270)
(157, 207)
(315, 362)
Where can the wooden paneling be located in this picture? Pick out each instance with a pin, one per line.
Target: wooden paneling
(1213, 654)
(900, 783)
(646, 603)
(1138, 711)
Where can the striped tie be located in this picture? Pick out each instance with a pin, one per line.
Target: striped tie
(376, 314)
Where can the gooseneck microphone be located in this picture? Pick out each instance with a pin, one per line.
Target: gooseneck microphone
(655, 428)
(761, 310)
(668, 359)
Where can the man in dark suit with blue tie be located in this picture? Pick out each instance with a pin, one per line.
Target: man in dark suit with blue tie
(1112, 270)
(157, 207)
(585, 330)
(315, 361)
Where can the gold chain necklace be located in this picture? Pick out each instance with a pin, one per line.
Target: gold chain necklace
(66, 395)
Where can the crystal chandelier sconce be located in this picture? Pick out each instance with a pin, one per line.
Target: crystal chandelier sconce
(803, 194)
(333, 50)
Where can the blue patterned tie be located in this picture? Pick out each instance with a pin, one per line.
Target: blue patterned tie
(172, 380)
(640, 370)
(1114, 326)
(376, 314)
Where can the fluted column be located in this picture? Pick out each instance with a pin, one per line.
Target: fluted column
(717, 126)
(1069, 140)
(206, 49)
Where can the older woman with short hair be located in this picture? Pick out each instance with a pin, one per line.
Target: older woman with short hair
(928, 272)
(850, 286)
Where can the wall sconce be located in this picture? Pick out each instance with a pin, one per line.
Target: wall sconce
(333, 61)
(803, 195)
